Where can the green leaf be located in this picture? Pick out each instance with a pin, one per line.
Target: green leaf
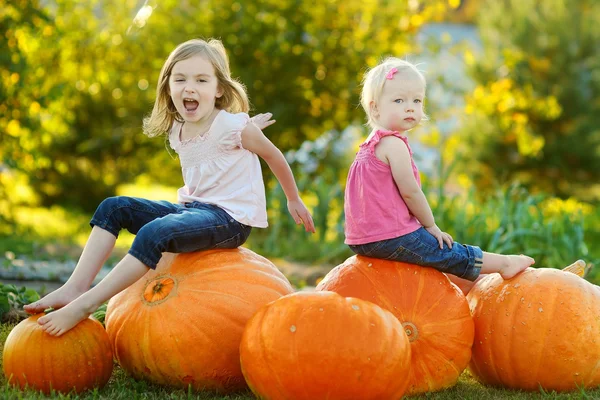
(4, 305)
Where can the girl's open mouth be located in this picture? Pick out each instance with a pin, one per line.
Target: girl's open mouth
(190, 104)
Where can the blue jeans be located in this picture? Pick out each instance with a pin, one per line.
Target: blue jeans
(422, 248)
(161, 226)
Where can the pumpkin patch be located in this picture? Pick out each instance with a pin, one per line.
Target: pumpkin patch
(434, 313)
(320, 345)
(182, 323)
(79, 360)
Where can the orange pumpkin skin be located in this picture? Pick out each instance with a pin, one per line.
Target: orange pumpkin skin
(540, 328)
(433, 311)
(79, 360)
(319, 345)
(182, 323)
(463, 284)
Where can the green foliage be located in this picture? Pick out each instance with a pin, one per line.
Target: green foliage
(77, 78)
(100, 313)
(12, 300)
(533, 116)
(513, 222)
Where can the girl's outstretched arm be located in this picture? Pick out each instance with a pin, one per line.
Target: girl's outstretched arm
(255, 141)
(263, 121)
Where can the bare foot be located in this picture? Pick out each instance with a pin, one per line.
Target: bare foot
(57, 299)
(515, 264)
(58, 322)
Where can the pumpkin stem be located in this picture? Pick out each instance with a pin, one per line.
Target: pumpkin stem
(578, 268)
(411, 331)
(159, 290)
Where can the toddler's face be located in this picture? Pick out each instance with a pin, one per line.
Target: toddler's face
(400, 106)
(193, 88)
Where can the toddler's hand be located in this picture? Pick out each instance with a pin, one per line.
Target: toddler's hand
(440, 236)
(262, 120)
(301, 215)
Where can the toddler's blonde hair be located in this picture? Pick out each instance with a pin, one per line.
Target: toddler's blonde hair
(374, 79)
(234, 98)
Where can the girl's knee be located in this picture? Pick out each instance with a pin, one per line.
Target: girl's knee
(110, 203)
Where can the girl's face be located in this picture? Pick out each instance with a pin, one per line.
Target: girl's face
(193, 88)
(400, 106)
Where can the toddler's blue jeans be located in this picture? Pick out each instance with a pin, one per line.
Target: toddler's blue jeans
(422, 248)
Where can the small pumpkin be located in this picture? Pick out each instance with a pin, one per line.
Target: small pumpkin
(79, 360)
(540, 328)
(432, 310)
(320, 345)
(182, 323)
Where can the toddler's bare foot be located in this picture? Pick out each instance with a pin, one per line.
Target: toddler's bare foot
(57, 299)
(515, 264)
(58, 322)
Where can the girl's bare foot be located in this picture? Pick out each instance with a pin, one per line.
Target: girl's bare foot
(58, 322)
(57, 299)
(515, 264)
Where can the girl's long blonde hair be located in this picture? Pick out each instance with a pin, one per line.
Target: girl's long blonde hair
(234, 98)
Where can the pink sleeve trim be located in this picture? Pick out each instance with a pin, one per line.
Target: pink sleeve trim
(380, 134)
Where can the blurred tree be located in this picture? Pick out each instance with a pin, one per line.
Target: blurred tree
(77, 77)
(463, 11)
(533, 116)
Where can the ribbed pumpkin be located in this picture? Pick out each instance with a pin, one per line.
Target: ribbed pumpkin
(319, 345)
(433, 311)
(540, 328)
(182, 323)
(79, 360)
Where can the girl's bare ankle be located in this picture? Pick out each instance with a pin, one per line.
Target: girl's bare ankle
(75, 287)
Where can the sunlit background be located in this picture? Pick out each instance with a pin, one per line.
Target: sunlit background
(510, 156)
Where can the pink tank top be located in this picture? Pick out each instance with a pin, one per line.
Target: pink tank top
(373, 207)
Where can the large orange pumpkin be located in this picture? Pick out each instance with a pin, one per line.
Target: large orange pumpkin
(313, 345)
(79, 360)
(181, 324)
(433, 311)
(540, 328)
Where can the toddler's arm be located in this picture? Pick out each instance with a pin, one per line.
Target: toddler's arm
(255, 141)
(394, 152)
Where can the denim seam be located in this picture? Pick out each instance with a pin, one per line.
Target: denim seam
(401, 249)
(145, 260)
(373, 249)
(235, 237)
(103, 225)
(172, 235)
(470, 262)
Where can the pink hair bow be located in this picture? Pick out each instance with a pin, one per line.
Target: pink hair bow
(390, 74)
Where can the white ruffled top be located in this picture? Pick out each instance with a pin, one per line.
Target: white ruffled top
(218, 170)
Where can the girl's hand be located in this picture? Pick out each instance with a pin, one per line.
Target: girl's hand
(301, 215)
(440, 236)
(262, 120)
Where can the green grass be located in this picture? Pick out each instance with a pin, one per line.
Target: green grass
(123, 387)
